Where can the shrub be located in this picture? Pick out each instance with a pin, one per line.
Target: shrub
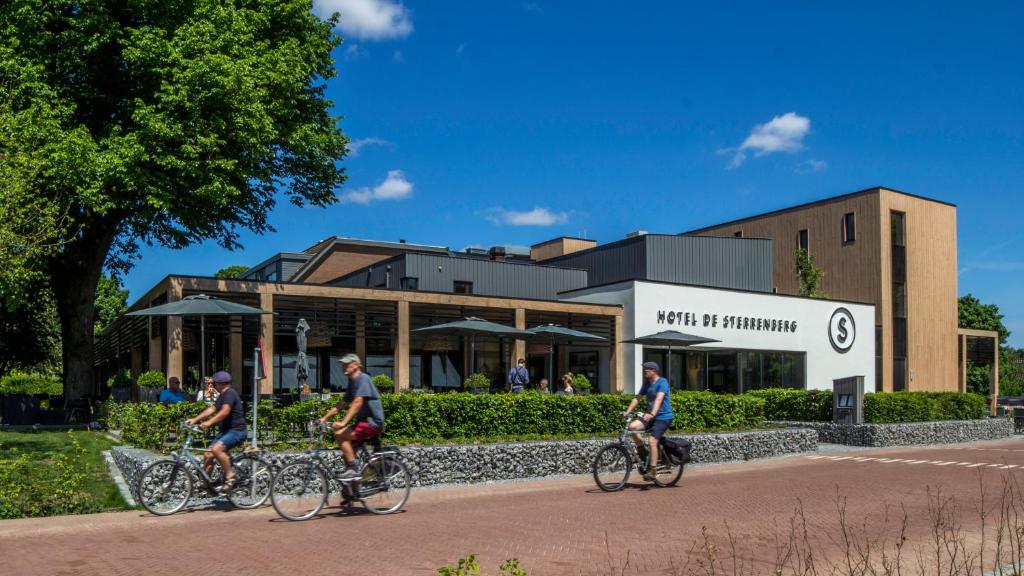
(384, 383)
(977, 378)
(120, 379)
(581, 382)
(152, 379)
(477, 381)
(28, 489)
(30, 383)
(426, 418)
(879, 408)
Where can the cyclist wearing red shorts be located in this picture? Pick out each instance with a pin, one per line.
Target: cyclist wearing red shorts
(364, 409)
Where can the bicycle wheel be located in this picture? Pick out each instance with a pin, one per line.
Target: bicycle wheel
(611, 468)
(667, 473)
(386, 485)
(165, 487)
(299, 490)
(254, 478)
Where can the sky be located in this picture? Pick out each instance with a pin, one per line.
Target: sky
(510, 123)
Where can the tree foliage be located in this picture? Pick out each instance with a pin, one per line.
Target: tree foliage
(164, 122)
(809, 274)
(231, 271)
(974, 314)
(111, 302)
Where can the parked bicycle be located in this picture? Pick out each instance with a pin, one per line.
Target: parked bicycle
(615, 461)
(301, 489)
(166, 485)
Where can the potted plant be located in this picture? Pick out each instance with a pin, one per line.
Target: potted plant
(150, 385)
(581, 384)
(384, 383)
(478, 383)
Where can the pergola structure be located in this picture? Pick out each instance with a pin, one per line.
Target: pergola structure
(980, 347)
(365, 319)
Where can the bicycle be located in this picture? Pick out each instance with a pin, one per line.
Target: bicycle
(300, 490)
(615, 461)
(166, 485)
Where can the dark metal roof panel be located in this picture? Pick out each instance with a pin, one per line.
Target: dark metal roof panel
(740, 263)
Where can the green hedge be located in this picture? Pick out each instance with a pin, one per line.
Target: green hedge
(879, 408)
(30, 383)
(425, 418)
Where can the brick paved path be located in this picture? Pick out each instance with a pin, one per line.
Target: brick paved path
(554, 527)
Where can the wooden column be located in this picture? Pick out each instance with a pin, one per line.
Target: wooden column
(519, 350)
(156, 346)
(361, 334)
(175, 337)
(963, 363)
(994, 378)
(402, 348)
(235, 344)
(267, 334)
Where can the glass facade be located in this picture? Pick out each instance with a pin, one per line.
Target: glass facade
(731, 371)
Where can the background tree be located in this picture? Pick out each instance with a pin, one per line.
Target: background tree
(231, 271)
(111, 302)
(168, 122)
(809, 274)
(974, 314)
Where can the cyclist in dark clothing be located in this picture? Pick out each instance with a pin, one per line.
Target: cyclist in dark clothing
(229, 411)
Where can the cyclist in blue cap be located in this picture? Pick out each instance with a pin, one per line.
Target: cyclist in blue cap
(658, 417)
(229, 411)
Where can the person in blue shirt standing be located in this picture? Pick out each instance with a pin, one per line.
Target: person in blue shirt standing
(658, 417)
(519, 376)
(173, 393)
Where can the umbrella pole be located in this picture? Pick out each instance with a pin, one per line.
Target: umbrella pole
(202, 349)
(668, 369)
(551, 363)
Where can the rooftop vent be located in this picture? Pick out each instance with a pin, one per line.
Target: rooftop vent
(496, 253)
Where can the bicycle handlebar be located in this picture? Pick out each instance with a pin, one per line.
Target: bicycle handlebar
(191, 428)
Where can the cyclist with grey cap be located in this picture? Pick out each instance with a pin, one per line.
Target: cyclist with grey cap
(364, 409)
(658, 417)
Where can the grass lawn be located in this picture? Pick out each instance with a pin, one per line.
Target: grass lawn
(43, 474)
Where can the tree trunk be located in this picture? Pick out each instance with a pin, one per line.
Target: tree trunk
(74, 274)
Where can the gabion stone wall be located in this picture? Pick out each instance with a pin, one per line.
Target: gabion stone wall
(472, 463)
(913, 433)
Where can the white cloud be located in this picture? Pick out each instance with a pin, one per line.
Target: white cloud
(355, 146)
(811, 165)
(782, 134)
(368, 19)
(992, 266)
(536, 217)
(533, 7)
(355, 52)
(394, 187)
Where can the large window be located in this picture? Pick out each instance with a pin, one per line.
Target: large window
(460, 287)
(730, 371)
(803, 240)
(898, 234)
(849, 227)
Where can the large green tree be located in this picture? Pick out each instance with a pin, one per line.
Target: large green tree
(164, 122)
(974, 314)
(231, 271)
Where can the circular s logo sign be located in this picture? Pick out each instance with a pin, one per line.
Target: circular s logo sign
(841, 330)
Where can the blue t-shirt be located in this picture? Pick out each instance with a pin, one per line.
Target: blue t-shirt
(651, 391)
(168, 396)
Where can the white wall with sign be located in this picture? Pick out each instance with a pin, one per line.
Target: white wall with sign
(838, 338)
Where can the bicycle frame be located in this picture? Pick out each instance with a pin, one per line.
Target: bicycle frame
(350, 490)
(626, 439)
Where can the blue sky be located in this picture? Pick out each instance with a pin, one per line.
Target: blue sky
(484, 123)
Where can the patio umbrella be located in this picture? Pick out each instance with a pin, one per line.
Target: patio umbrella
(670, 338)
(200, 305)
(556, 334)
(473, 327)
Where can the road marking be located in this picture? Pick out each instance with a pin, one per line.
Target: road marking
(859, 459)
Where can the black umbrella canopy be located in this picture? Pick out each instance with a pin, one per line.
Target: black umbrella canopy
(200, 305)
(670, 338)
(560, 334)
(475, 327)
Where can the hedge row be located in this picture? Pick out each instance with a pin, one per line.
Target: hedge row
(428, 418)
(31, 383)
(879, 408)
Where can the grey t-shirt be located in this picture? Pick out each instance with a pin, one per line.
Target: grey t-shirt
(372, 411)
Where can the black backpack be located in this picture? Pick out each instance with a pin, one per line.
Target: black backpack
(677, 451)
